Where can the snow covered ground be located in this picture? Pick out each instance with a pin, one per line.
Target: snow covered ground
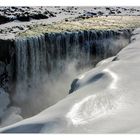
(106, 99)
(10, 28)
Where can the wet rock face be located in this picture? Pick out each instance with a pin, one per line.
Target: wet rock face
(3, 76)
(4, 19)
(6, 63)
(6, 47)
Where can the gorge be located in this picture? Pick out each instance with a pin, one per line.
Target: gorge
(38, 70)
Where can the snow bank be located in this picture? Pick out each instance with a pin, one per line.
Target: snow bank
(107, 100)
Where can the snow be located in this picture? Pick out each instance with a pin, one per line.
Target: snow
(18, 26)
(107, 100)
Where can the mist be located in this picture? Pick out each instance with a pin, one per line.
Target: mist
(54, 87)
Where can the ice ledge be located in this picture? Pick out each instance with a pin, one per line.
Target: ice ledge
(107, 100)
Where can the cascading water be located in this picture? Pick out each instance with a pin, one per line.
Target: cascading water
(48, 57)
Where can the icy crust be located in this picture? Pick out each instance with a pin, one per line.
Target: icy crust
(107, 100)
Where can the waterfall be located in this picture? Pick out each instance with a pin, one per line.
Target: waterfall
(48, 55)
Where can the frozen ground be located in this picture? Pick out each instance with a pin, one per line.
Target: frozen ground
(22, 18)
(106, 99)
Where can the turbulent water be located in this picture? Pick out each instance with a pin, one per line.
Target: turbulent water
(46, 64)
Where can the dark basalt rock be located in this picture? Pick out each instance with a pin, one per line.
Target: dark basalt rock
(39, 16)
(4, 19)
(74, 86)
(92, 13)
(4, 77)
(116, 58)
(107, 8)
(112, 12)
(6, 50)
(51, 14)
(7, 63)
(23, 18)
(100, 13)
(119, 12)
